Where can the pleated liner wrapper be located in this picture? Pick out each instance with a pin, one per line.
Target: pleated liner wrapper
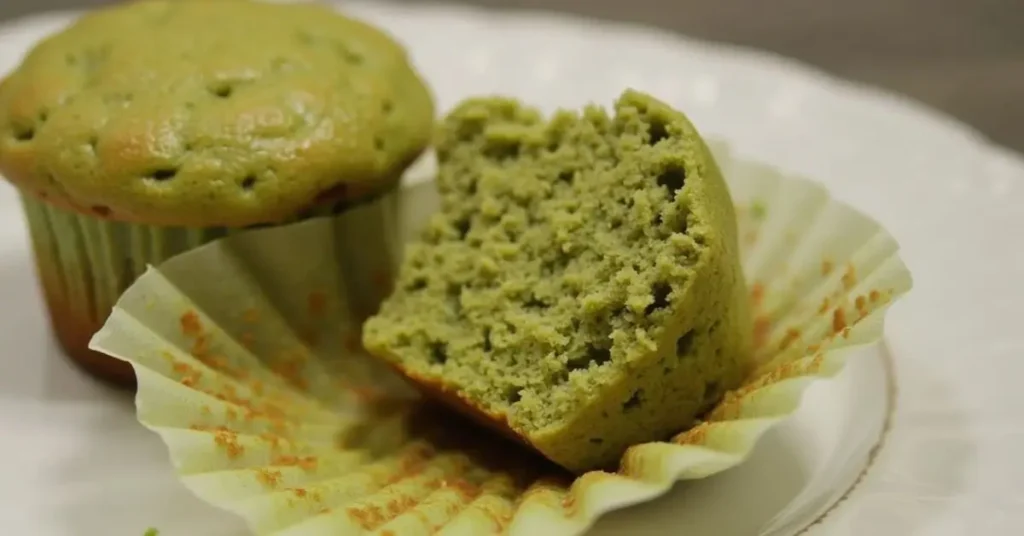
(249, 368)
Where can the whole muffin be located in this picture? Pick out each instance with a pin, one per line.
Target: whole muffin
(581, 288)
(152, 127)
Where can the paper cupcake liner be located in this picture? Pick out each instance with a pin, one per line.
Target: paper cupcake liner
(85, 262)
(251, 376)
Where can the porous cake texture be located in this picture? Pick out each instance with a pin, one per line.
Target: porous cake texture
(580, 289)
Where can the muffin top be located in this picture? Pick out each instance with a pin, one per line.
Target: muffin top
(199, 113)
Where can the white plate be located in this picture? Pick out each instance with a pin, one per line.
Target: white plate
(75, 462)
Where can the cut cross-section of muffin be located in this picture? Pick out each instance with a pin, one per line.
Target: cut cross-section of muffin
(580, 289)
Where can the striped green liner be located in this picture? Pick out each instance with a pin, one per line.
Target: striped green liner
(85, 262)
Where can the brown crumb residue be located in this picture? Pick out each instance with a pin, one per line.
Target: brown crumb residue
(291, 364)
(762, 328)
(497, 511)
(280, 427)
(629, 462)
(274, 441)
(291, 370)
(544, 492)
(414, 461)
(216, 362)
(730, 405)
(757, 295)
(825, 305)
(570, 503)
(248, 340)
(267, 410)
(227, 440)
(850, 277)
(201, 347)
(826, 267)
(422, 517)
(765, 379)
(694, 436)
(306, 463)
(367, 517)
(874, 296)
(316, 302)
(465, 489)
(251, 315)
(269, 477)
(256, 386)
(372, 516)
(307, 495)
(191, 326)
(187, 374)
(791, 336)
(451, 510)
(861, 303)
(838, 320)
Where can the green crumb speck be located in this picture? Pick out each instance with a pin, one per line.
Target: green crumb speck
(151, 532)
(581, 285)
(758, 210)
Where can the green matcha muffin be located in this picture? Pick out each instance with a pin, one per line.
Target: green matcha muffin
(151, 127)
(580, 289)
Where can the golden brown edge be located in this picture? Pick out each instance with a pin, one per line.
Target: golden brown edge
(341, 192)
(435, 390)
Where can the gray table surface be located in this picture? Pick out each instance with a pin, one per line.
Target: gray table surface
(965, 57)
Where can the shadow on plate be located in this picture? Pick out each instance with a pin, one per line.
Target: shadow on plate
(119, 481)
(98, 471)
(32, 366)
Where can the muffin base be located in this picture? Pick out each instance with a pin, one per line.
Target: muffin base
(73, 334)
(84, 263)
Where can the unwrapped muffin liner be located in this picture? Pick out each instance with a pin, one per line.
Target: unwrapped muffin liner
(249, 367)
(84, 262)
